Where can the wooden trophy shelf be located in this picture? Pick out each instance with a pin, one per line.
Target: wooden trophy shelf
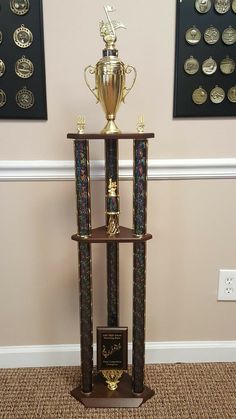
(99, 235)
(92, 391)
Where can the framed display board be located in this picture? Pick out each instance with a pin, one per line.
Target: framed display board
(205, 61)
(22, 66)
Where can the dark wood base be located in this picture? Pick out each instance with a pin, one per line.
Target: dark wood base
(102, 397)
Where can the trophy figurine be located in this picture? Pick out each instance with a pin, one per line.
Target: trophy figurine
(110, 74)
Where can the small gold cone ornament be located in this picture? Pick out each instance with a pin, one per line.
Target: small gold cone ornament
(110, 74)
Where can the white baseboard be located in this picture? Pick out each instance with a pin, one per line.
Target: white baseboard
(161, 169)
(156, 353)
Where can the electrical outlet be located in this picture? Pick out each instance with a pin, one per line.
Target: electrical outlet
(227, 285)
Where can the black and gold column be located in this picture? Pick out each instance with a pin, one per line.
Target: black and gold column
(84, 250)
(139, 262)
(112, 226)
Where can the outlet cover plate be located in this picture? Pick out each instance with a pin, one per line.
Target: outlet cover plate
(227, 285)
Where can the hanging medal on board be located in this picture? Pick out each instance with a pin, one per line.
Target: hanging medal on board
(25, 98)
(3, 98)
(24, 68)
(2, 68)
(19, 7)
(23, 37)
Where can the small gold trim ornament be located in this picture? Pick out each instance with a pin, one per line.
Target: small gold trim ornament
(3, 98)
(191, 65)
(232, 94)
(229, 36)
(217, 94)
(23, 37)
(24, 68)
(2, 68)
(227, 65)
(209, 66)
(1, 37)
(19, 7)
(199, 96)
(112, 378)
(140, 124)
(211, 35)
(203, 6)
(25, 98)
(193, 35)
(81, 124)
(222, 6)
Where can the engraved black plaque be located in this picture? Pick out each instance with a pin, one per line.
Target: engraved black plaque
(112, 348)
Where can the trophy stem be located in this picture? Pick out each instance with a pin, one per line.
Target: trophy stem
(111, 128)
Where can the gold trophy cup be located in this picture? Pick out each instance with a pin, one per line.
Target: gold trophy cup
(110, 74)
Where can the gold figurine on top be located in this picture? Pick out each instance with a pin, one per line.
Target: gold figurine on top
(110, 74)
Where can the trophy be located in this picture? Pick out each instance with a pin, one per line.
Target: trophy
(110, 74)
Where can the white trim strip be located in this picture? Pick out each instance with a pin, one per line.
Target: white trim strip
(156, 353)
(162, 169)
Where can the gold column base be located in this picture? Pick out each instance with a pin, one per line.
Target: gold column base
(111, 128)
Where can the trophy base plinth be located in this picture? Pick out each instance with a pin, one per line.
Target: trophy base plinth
(111, 128)
(123, 396)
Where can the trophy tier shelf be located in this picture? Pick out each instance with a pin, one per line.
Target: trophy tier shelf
(125, 136)
(99, 235)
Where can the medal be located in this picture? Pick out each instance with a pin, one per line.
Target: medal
(232, 94)
(209, 66)
(23, 37)
(193, 35)
(25, 98)
(234, 6)
(24, 68)
(3, 98)
(191, 65)
(222, 6)
(217, 94)
(229, 36)
(19, 7)
(2, 68)
(203, 6)
(211, 35)
(227, 65)
(199, 96)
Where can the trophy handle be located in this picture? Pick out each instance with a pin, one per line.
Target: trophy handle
(91, 70)
(128, 70)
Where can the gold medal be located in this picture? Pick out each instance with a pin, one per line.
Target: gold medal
(191, 65)
(19, 7)
(3, 98)
(1, 37)
(23, 37)
(199, 96)
(24, 68)
(211, 35)
(25, 98)
(203, 6)
(209, 66)
(227, 65)
(232, 94)
(234, 6)
(229, 36)
(193, 35)
(222, 6)
(217, 94)
(2, 68)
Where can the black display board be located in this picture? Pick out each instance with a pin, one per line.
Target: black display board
(24, 96)
(187, 16)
